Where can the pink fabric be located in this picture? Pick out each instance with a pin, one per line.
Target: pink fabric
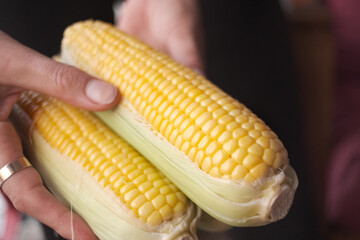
(343, 190)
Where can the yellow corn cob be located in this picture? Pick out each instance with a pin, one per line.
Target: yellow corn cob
(220, 154)
(115, 189)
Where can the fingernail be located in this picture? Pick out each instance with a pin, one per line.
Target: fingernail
(100, 91)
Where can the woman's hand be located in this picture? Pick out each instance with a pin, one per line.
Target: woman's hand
(22, 68)
(171, 26)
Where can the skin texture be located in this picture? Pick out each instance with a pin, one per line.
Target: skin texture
(170, 26)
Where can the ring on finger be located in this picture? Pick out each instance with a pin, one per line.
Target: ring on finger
(9, 169)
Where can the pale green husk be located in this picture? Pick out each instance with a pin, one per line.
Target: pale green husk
(236, 203)
(99, 207)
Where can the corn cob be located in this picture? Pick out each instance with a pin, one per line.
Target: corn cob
(219, 153)
(116, 190)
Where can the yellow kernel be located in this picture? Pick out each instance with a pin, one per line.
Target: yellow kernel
(110, 170)
(179, 120)
(163, 126)
(225, 136)
(206, 165)
(173, 136)
(183, 105)
(239, 155)
(138, 201)
(118, 183)
(199, 157)
(204, 142)
(238, 172)
(153, 192)
(219, 157)
(230, 146)
(174, 115)
(241, 118)
(212, 148)
(180, 98)
(278, 160)
(255, 134)
(192, 153)
(181, 196)
(229, 106)
(228, 166)
(145, 210)
(276, 144)
(213, 107)
(155, 218)
(263, 141)
(185, 124)
(179, 208)
(218, 113)
(140, 179)
(268, 134)
(169, 111)
(226, 119)
(127, 187)
(219, 129)
(260, 170)
(195, 92)
(259, 126)
(159, 183)
(197, 137)
(238, 133)
(256, 149)
(203, 118)
(269, 156)
(145, 186)
(190, 132)
(174, 94)
(165, 190)
(246, 141)
(153, 176)
(248, 126)
(191, 107)
(158, 201)
(197, 112)
(209, 126)
(250, 161)
(179, 141)
(166, 212)
(215, 172)
(232, 126)
(185, 148)
(249, 178)
(171, 199)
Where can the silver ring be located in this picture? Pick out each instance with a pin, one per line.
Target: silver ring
(9, 169)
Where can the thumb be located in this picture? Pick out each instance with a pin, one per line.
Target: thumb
(25, 68)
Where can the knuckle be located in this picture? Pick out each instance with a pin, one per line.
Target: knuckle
(66, 77)
(18, 201)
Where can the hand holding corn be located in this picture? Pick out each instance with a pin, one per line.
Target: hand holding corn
(22, 68)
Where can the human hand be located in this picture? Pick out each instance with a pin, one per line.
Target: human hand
(22, 68)
(173, 27)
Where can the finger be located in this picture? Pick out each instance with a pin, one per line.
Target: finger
(185, 48)
(25, 68)
(28, 195)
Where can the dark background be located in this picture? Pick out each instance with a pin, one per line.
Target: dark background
(248, 55)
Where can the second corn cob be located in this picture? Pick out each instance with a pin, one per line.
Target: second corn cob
(115, 189)
(212, 147)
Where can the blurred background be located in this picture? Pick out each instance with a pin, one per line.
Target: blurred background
(295, 63)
